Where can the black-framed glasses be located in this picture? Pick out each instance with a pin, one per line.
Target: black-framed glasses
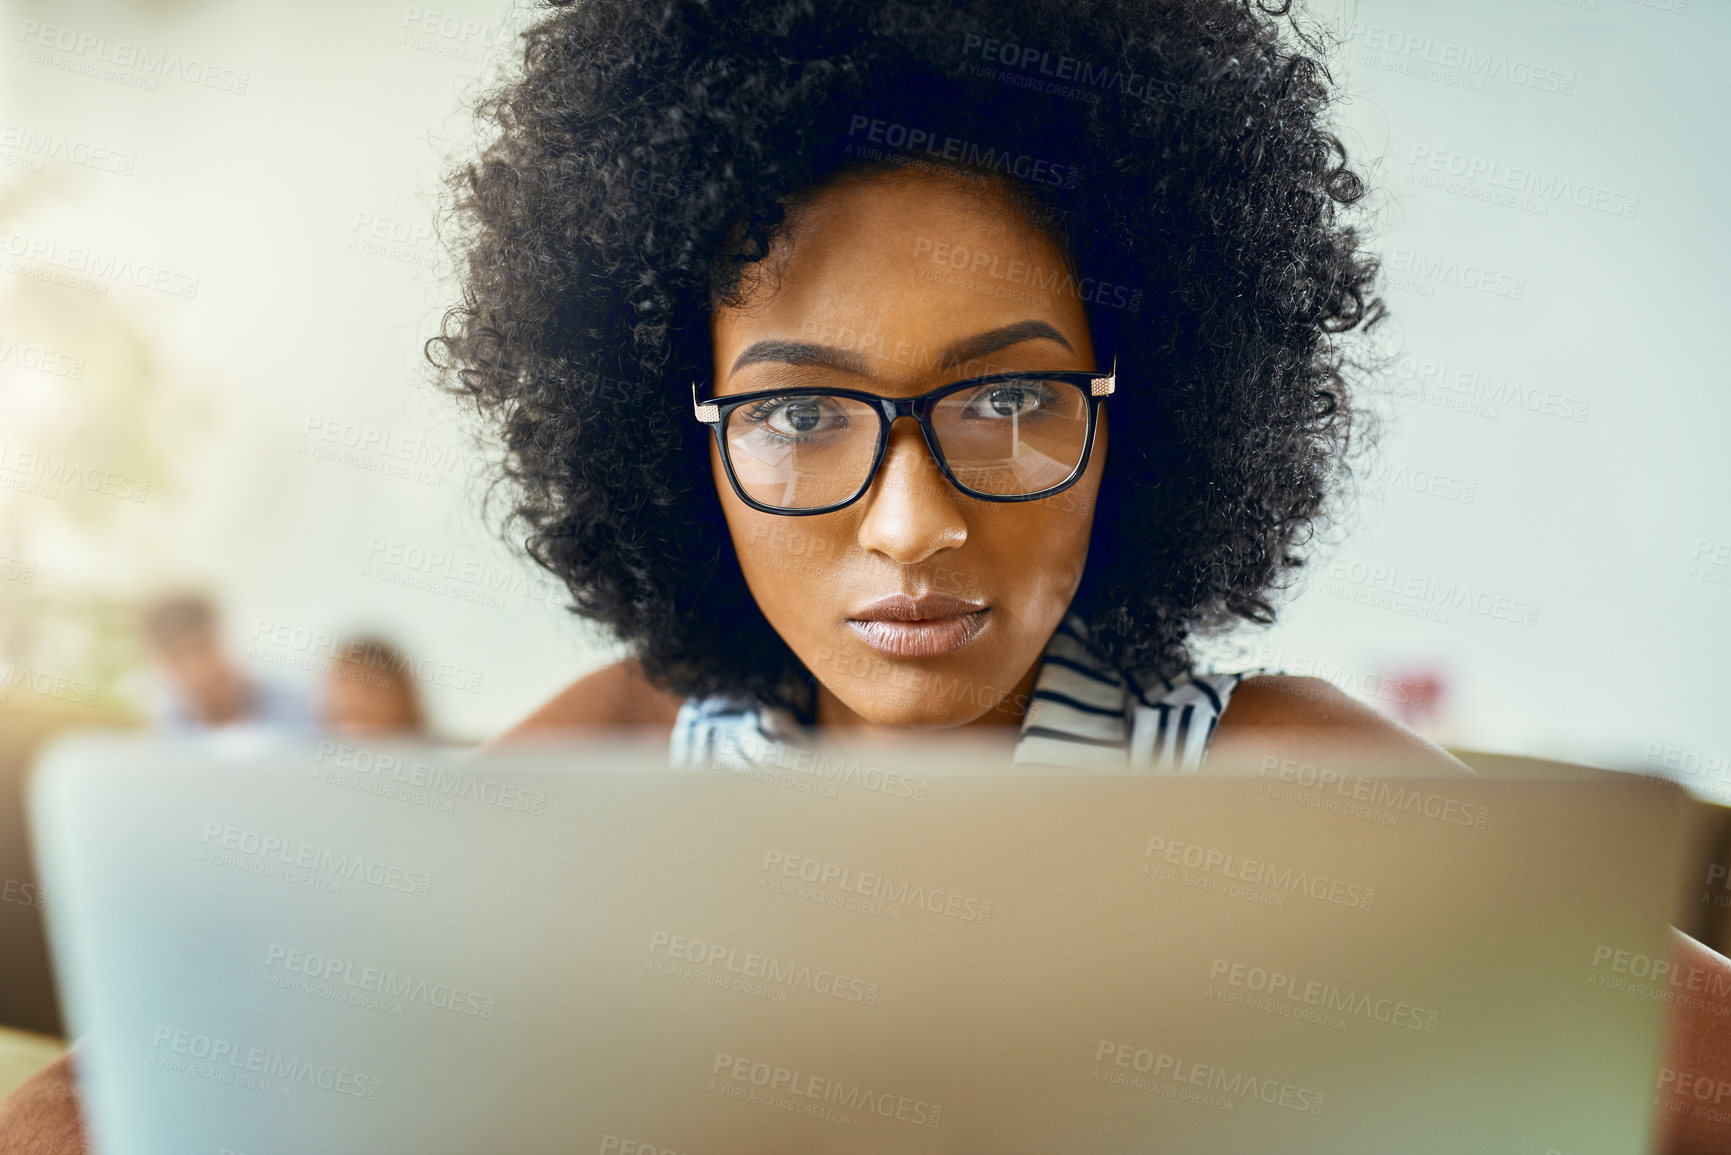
(1001, 437)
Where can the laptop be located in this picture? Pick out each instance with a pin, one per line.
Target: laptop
(363, 948)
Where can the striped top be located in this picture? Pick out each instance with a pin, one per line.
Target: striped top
(1085, 713)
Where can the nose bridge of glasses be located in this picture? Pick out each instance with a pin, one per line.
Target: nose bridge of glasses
(916, 438)
(898, 407)
(916, 409)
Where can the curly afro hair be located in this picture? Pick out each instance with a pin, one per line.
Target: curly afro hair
(648, 152)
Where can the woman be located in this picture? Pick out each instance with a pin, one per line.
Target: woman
(716, 254)
(755, 198)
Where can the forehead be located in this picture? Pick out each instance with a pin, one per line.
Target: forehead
(890, 264)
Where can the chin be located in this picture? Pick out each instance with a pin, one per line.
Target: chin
(907, 709)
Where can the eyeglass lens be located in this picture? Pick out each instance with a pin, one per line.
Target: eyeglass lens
(1007, 439)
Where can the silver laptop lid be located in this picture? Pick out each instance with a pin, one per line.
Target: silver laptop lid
(336, 948)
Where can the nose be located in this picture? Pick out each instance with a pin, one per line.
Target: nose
(911, 509)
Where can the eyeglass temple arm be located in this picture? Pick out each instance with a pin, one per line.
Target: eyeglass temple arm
(1099, 387)
(708, 414)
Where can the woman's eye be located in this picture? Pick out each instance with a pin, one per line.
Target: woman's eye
(796, 416)
(1001, 401)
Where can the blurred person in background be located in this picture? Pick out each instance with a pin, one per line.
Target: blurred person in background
(198, 687)
(369, 693)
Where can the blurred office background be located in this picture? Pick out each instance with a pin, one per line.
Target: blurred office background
(216, 283)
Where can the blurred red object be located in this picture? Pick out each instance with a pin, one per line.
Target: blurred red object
(1416, 697)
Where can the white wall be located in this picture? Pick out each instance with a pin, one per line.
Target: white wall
(305, 320)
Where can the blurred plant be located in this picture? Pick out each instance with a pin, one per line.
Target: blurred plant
(90, 474)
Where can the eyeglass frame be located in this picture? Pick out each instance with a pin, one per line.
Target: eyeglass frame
(890, 409)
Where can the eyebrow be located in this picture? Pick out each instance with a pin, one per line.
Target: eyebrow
(848, 361)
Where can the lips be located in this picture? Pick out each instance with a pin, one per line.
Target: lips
(931, 625)
(906, 608)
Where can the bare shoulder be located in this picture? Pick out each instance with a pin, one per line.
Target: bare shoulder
(42, 1116)
(1292, 717)
(611, 698)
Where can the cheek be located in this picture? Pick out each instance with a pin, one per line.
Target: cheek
(756, 536)
(1040, 560)
(790, 564)
(1078, 511)
(1040, 547)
